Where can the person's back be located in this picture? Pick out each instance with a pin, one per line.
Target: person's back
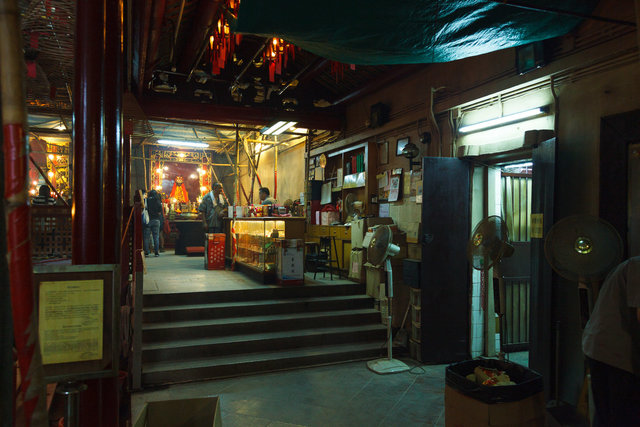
(154, 207)
(44, 196)
(611, 342)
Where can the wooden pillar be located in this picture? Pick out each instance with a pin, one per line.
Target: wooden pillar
(112, 106)
(87, 149)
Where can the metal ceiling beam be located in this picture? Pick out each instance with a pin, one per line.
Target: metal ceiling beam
(206, 13)
(378, 83)
(159, 8)
(312, 69)
(165, 108)
(145, 17)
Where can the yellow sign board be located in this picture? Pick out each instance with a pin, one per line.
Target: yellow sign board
(537, 226)
(70, 318)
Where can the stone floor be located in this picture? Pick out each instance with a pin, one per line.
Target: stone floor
(338, 395)
(171, 273)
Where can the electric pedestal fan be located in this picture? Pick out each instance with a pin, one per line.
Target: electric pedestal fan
(379, 252)
(583, 249)
(488, 245)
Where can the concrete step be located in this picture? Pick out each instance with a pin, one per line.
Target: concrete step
(230, 366)
(186, 312)
(251, 343)
(169, 331)
(267, 292)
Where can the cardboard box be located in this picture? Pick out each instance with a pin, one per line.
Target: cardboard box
(328, 218)
(290, 261)
(200, 412)
(414, 251)
(465, 411)
(359, 228)
(375, 281)
(356, 266)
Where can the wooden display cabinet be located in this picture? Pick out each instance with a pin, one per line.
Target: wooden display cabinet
(355, 162)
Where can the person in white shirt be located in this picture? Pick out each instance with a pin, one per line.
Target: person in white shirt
(611, 342)
(214, 207)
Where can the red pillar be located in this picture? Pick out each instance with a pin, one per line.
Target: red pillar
(17, 216)
(111, 161)
(87, 148)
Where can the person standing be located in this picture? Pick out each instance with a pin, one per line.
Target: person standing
(214, 208)
(154, 207)
(611, 342)
(44, 196)
(265, 197)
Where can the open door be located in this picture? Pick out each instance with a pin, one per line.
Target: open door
(445, 270)
(542, 218)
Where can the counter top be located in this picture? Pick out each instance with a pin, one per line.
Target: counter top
(268, 218)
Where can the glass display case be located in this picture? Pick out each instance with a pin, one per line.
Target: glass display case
(256, 242)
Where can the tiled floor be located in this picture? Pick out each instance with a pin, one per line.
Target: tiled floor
(171, 273)
(338, 395)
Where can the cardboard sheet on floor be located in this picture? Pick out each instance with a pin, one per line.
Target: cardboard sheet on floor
(199, 412)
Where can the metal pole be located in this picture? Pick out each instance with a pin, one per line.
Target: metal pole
(88, 143)
(72, 390)
(275, 172)
(18, 252)
(237, 169)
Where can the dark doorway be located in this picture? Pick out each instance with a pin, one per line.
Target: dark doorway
(617, 192)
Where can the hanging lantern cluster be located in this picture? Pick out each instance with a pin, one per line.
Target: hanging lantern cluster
(222, 43)
(276, 55)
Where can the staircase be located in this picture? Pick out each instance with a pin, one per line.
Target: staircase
(196, 336)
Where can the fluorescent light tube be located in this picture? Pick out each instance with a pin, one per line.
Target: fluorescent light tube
(274, 128)
(519, 165)
(190, 144)
(284, 128)
(502, 120)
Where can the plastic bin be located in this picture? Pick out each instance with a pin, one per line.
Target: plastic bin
(468, 403)
(214, 251)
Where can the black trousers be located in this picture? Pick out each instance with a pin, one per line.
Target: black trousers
(616, 395)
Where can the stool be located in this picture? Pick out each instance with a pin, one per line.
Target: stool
(195, 250)
(316, 259)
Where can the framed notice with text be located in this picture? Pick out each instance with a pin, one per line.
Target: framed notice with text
(78, 320)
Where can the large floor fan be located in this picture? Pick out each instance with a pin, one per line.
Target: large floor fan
(583, 249)
(379, 252)
(488, 245)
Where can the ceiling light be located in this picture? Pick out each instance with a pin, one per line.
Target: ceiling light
(191, 144)
(51, 156)
(503, 120)
(50, 174)
(284, 128)
(273, 128)
(519, 166)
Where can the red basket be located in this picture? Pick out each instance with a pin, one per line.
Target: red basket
(214, 251)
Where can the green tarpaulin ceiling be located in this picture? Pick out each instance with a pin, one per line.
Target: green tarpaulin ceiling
(374, 32)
